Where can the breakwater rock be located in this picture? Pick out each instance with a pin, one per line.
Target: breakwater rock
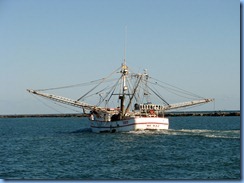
(167, 114)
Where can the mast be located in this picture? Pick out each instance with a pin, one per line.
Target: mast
(125, 45)
(146, 92)
(124, 71)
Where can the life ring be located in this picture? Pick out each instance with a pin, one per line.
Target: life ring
(152, 112)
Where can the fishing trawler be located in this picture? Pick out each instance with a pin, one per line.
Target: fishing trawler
(132, 108)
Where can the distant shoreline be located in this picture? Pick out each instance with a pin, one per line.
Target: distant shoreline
(167, 114)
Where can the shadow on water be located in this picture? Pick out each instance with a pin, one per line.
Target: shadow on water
(83, 130)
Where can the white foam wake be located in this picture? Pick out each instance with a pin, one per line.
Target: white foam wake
(234, 134)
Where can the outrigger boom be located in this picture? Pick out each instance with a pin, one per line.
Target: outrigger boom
(79, 104)
(67, 101)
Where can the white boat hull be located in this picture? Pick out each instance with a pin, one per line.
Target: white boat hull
(132, 124)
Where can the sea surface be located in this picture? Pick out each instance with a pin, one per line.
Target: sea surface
(65, 148)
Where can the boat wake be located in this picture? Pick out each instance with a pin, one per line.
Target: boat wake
(230, 134)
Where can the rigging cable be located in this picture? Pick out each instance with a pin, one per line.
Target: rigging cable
(133, 94)
(37, 98)
(97, 92)
(75, 85)
(158, 95)
(98, 84)
(111, 91)
(71, 86)
(176, 91)
(130, 86)
(175, 88)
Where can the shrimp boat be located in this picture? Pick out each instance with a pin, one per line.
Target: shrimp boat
(132, 108)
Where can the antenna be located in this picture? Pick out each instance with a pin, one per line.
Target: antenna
(125, 45)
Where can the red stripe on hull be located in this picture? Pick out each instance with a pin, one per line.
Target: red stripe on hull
(151, 123)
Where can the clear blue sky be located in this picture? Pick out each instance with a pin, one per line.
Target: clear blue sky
(192, 44)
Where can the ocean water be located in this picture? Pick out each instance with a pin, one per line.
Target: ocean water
(195, 148)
